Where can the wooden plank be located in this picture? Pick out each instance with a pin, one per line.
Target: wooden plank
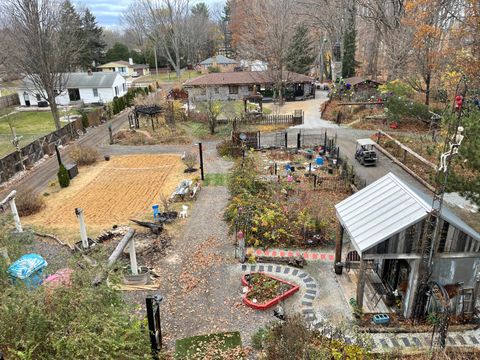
(410, 151)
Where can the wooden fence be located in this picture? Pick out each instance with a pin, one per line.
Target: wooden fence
(9, 100)
(36, 150)
(292, 119)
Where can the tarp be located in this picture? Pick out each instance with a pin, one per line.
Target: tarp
(26, 266)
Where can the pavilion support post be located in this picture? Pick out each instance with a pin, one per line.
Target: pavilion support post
(338, 243)
(361, 283)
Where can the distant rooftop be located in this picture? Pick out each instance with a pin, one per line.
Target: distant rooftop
(219, 59)
(81, 80)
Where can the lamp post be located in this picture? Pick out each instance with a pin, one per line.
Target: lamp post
(154, 323)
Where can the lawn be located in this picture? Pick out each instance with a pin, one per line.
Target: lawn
(226, 345)
(215, 179)
(30, 125)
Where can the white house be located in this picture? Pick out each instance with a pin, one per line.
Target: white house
(91, 88)
(125, 68)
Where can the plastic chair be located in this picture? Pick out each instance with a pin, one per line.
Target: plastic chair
(156, 212)
(184, 212)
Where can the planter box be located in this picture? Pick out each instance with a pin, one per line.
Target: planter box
(273, 301)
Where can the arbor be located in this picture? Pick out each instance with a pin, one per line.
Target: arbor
(94, 47)
(38, 48)
(300, 54)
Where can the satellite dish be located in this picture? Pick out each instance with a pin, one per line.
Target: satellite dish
(243, 136)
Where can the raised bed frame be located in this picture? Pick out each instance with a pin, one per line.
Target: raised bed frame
(275, 300)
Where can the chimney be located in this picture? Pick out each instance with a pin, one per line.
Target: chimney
(89, 72)
(130, 61)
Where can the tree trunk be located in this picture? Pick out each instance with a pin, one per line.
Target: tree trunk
(213, 125)
(427, 89)
(54, 109)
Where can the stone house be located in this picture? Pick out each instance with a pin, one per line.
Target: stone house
(238, 85)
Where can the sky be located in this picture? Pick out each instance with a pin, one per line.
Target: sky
(108, 12)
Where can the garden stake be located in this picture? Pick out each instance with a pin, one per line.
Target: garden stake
(201, 160)
(110, 133)
(298, 141)
(286, 140)
(83, 228)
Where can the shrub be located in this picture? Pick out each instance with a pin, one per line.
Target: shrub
(189, 160)
(84, 155)
(29, 203)
(213, 69)
(84, 118)
(257, 338)
(225, 148)
(63, 178)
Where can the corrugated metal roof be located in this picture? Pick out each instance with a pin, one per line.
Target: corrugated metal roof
(82, 80)
(379, 211)
(386, 207)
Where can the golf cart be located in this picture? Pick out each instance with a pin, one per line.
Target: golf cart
(365, 153)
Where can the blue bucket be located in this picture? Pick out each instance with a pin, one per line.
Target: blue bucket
(319, 161)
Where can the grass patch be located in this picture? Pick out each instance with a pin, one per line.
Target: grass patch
(227, 345)
(215, 179)
(200, 130)
(29, 124)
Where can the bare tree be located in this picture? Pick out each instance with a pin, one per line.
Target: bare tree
(38, 48)
(165, 22)
(266, 35)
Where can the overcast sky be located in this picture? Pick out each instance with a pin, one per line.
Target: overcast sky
(108, 12)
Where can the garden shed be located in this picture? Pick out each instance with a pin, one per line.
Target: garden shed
(382, 225)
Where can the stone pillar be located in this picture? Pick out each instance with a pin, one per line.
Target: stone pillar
(361, 283)
(338, 243)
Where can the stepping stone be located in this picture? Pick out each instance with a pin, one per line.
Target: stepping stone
(270, 268)
(302, 275)
(394, 342)
(282, 253)
(295, 272)
(331, 257)
(286, 270)
(306, 303)
(314, 256)
(311, 285)
(305, 255)
(278, 269)
(312, 292)
(266, 252)
(259, 252)
(274, 253)
(417, 341)
(461, 339)
(383, 342)
(309, 297)
(474, 339)
(323, 256)
(309, 279)
(290, 254)
(451, 341)
(253, 267)
(406, 341)
(261, 268)
(244, 267)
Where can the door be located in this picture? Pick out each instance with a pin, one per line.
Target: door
(26, 98)
(74, 94)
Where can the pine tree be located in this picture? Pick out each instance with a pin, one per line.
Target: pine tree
(71, 33)
(300, 54)
(349, 48)
(93, 53)
(119, 51)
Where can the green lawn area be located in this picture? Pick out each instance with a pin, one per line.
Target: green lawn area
(31, 125)
(217, 346)
(215, 179)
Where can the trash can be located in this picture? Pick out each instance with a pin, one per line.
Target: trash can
(338, 268)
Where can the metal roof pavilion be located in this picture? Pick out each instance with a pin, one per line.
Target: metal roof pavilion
(384, 208)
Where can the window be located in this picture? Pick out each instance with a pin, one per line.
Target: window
(39, 98)
(250, 88)
(95, 92)
(124, 87)
(233, 89)
(123, 69)
(116, 91)
(74, 94)
(217, 91)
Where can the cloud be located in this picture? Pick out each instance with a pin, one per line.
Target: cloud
(107, 13)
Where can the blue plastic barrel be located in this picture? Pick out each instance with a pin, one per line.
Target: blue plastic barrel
(319, 161)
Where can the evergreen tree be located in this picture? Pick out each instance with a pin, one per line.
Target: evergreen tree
(119, 51)
(71, 33)
(300, 54)
(93, 52)
(349, 48)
